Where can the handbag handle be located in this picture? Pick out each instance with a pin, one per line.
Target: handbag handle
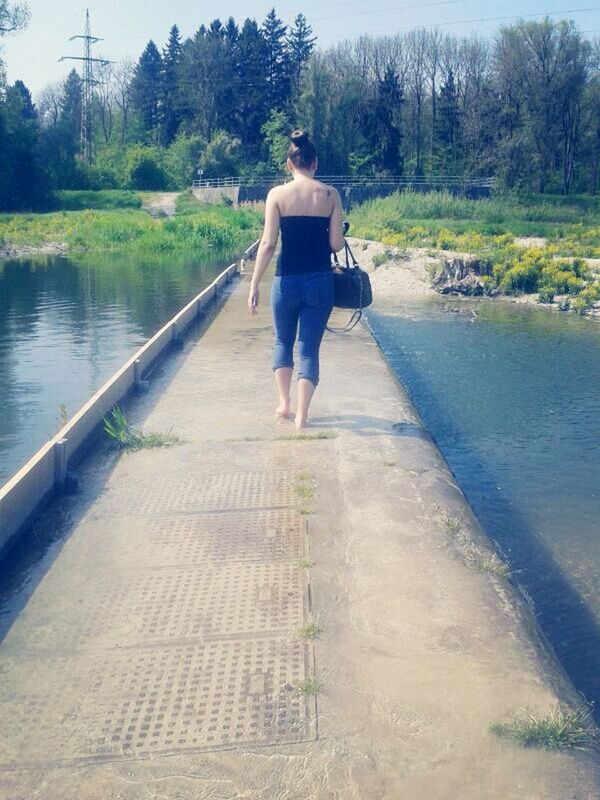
(348, 254)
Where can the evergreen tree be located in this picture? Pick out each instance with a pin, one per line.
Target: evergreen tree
(70, 108)
(28, 110)
(389, 104)
(170, 101)
(232, 31)
(278, 63)
(60, 144)
(147, 89)
(448, 122)
(252, 100)
(300, 45)
(216, 29)
(24, 179)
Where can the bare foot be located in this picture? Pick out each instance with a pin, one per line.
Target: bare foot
(283, 411)
(301, 422)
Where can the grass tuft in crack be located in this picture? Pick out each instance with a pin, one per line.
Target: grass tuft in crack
(305, 563)
(307, 437)
(311, 631)
(475, 556)
(127, 437)
(308, 687)
(305, 492)
(556, 730)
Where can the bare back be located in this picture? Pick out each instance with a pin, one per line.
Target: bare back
(305, 197)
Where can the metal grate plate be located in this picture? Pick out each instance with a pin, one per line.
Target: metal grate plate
(170, 605)
(253, 536)
(197, 493)
(152, 701)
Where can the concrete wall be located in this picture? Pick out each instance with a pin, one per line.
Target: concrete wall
(46, 472)
(351, 194)
(217, 196)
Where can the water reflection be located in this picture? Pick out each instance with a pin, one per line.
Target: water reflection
(66, 324)
(512, 398)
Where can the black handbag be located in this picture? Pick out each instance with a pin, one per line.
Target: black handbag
(352, 288)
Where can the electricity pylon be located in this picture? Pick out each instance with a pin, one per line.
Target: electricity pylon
(87, 86)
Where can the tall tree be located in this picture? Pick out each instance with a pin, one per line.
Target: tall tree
(252, 98)
(448, 123)
(278, 63)
(300, 45)
(170, 94)
(28, 179)
(147, 89)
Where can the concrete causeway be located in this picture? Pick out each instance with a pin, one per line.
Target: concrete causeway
(162, 648)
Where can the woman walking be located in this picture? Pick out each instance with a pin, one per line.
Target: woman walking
(309, 215)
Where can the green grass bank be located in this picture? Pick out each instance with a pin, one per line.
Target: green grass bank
(115, 221)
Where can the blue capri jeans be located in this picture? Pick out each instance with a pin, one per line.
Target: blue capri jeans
(301, 306)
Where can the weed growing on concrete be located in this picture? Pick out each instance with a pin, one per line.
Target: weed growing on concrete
(389, 463)
(307, 437)
(126, 437)
(557, 730)
(475, 556)
(309, 687)
(63, 416)
(492, 565)
(305, 492)
(305, 563)
(311, 631)
(452, 524)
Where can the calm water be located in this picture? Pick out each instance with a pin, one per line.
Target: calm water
(512, 398)
(67, 324)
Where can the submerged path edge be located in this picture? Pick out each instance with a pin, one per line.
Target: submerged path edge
(562, 683)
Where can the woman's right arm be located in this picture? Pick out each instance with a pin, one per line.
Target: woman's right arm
(336, 230)
(266, 248)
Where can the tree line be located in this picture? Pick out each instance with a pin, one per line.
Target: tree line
(523, 106)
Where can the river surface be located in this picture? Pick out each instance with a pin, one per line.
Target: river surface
(66, 324)
(511, 395)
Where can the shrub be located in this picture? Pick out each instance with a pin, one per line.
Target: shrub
(546, 294)
(586, 299)
(562, 279)
(222, 157)
(145, 169)
(182, 159)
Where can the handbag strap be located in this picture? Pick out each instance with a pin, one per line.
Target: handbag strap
(348, 254)
(352, 322)
(356, 315)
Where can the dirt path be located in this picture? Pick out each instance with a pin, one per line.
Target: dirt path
(161, 204)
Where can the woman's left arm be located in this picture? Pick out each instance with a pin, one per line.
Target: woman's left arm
(266, 248)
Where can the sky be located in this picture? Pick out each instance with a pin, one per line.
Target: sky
(127, 25)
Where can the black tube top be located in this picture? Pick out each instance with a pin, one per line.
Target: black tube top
(304, 245)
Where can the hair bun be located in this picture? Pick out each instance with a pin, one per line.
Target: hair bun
(299, 137)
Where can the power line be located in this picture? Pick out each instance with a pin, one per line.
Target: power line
(87, 85)
(466, 22)
(388, 9)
